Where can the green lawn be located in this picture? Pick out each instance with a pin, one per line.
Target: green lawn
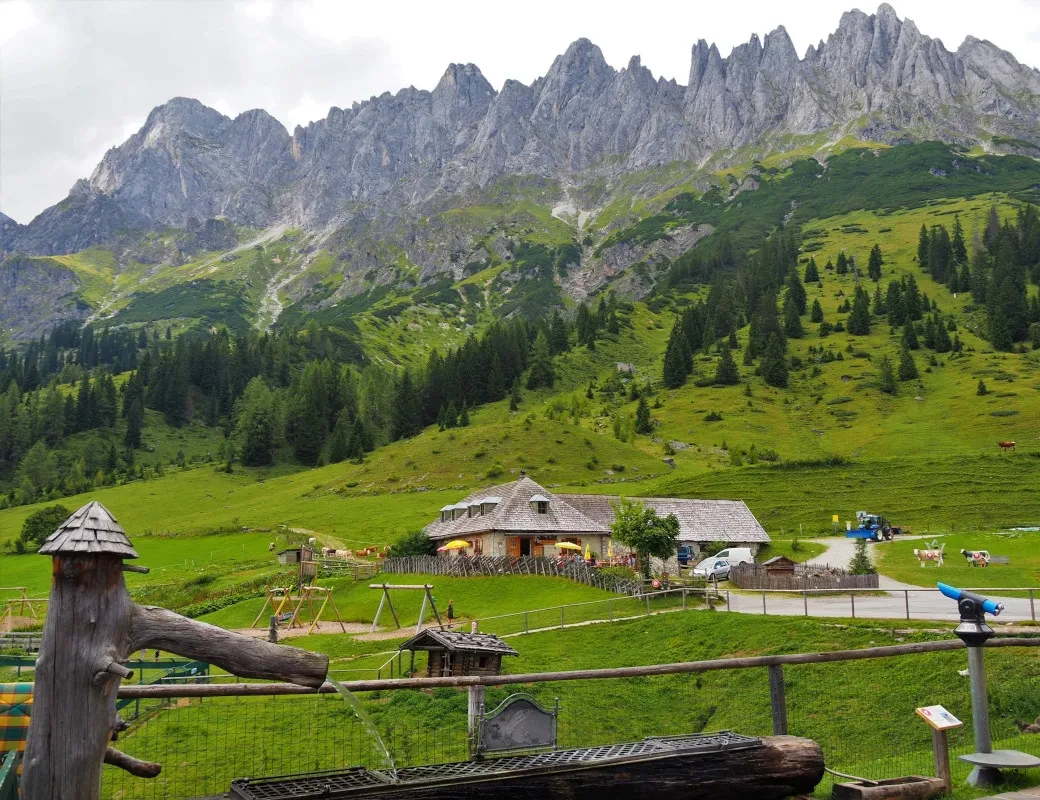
(1023, 548)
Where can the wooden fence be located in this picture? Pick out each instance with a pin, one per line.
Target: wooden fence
(343, 568)
(575, 570)
(806, 578)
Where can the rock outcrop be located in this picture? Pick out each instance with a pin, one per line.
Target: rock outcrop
(876, 77)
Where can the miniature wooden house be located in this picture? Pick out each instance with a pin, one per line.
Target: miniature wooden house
(780, 566)
(460, 653)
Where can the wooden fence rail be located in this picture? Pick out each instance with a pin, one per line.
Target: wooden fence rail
(475, 566)
(806, 578)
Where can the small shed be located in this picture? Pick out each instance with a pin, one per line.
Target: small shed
(289, 556)
(780, 565)
(460, 653)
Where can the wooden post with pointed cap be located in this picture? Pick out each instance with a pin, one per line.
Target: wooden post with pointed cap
(92, 626)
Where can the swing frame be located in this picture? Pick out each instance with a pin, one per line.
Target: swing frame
(385, 601)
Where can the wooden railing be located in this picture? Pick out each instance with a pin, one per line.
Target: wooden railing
(491, 566)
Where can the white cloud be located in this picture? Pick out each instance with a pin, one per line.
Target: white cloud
(69, 68)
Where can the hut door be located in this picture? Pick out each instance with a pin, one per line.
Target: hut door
(513, 547)
(446, 669)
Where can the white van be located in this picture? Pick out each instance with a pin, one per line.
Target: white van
(736, 555)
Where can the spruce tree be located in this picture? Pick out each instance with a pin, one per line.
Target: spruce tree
(929, 333)
(464, 416)
(958, 251)
(726, 373)
(134, 424)
(878, 305)
(451, 416)
(860, 563)
(842, 265)
(943, 344)
(923, 246)
(886, 376)
(859, 319)
(83, 412)
(541, 370)
(894, 304)
(405, 408)
(982, 390)
(643, 424)
(812, 274)
(909, 340)
(558, 340)
(912, 299)
(907, 367)
(874, 263)
(255, 430)
(339, 442)
(796, 291)
(773, 366)
(792, 322)
(515, 398)
(816, 315)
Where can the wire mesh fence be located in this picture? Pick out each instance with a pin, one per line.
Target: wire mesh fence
(861, 713)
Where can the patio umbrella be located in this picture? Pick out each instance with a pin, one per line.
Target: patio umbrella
(610, 549)
(456, 544)
(568, 546)
(588, 553)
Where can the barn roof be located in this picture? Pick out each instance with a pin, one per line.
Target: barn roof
(699, 520)
(91, 530)
(513, 513)
(455, 641)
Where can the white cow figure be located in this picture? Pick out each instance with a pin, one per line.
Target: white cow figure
(977, 558)
(934, 554)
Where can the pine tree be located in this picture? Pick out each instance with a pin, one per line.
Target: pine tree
(929, 333)
(910, 337)
(911, 299)
(726, 373)
(907, 367)
(982, 390)
(842, 266)
(773, 366)
(515, 398)
(178, 390)
(339, 442)
(541, 371)
(464, 417)
(886, 376)
(134, 423)
(874, 263)
(558, 340)
(943, 344)
(83, 412)
(816, 315)
(859, 319)
(812, 274)
(894, 304)
(643, 424)
(255, 430)
(860, 563)
(678, 361)
(451, 416)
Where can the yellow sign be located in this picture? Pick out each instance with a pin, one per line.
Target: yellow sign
(834, 519)
(938, 717)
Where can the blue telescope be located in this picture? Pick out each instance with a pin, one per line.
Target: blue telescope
(988, 606)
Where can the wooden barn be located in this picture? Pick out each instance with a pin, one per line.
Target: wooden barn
(460, 653)
(779, 566)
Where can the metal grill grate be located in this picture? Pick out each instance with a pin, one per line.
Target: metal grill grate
(356, 781)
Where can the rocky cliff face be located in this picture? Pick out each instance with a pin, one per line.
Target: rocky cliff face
(35, 295)
(876, 77)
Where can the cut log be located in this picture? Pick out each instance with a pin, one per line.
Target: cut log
(142, 769)
(914, 787)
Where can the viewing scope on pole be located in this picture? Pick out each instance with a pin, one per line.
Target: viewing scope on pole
(980, 604)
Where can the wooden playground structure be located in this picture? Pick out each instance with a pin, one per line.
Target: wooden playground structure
(287, 607)
(385, 601)
(9, 619)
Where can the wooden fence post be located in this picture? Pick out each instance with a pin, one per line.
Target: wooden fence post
(92, 626)
(777, 699)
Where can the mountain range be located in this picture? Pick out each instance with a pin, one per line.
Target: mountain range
(384, 164)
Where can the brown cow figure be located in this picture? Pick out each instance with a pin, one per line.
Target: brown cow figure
(1006, 445)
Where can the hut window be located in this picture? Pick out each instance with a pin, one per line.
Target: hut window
(444, 516)
(481, 662)
(543, 507)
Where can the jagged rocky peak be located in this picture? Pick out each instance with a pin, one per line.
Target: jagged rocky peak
(462, 96)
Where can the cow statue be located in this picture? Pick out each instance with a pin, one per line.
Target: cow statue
(933, 554)
(270, 547)
(977, 558)
(1006, 446)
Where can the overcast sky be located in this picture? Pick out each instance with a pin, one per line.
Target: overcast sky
(79, 76)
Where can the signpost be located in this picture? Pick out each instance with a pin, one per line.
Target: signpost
(940, 721)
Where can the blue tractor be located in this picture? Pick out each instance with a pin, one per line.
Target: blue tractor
(872, 527)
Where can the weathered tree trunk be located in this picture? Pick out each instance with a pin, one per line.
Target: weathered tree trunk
(92, 626)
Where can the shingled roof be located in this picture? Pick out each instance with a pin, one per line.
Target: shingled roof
(454, 641)
(514, 514)
(699, 520)
(91, 530)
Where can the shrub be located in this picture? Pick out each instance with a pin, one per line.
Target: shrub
(714, 416)
(413, 543)
(39, 526)
(622, 573)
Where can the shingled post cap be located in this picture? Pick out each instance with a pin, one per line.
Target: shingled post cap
(90, 531)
